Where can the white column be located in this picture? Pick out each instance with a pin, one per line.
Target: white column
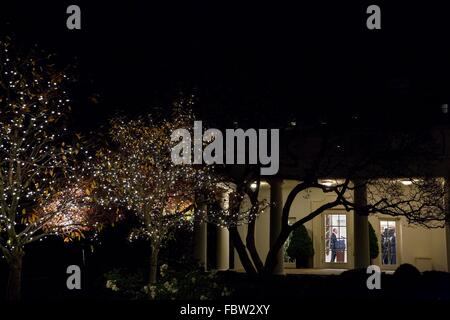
(276, 210)
(223, 249)
(223, 240)
(200, 237)
(361, 227)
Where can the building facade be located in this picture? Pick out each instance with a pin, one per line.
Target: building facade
(398, 241)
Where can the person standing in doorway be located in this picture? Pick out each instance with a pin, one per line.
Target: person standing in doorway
(333, 244)
(392, 247)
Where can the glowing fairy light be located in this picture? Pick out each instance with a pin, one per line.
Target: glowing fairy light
(37, 158)
(138, 174)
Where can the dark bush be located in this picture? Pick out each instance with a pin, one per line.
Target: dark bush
(300, 247)
(407, 271)
(373, 242)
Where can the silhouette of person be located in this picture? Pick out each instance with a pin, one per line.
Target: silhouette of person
(385, 246)
(392, 247)
(333, 245)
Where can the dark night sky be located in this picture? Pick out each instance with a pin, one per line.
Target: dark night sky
(311, 61)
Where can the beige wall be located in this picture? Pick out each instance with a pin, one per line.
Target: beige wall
(425, 248)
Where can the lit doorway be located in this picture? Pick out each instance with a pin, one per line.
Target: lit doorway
(336, 233)
(389, 241)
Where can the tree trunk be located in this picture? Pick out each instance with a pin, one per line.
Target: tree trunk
(242, 251)
(153, 264)
(271, 260)
(250, 240)
(15, 275)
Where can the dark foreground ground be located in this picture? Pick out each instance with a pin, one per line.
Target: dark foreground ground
(407, 286)
(44, 278)
(408, 293)
(404, 286)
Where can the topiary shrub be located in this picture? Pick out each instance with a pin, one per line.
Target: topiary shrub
(300, 247)
(373, 243)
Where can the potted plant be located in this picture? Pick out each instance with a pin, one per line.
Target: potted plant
(300, 247)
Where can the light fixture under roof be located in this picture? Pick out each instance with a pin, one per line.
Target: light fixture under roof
(328, 182)
(406, 182)
(253, 185)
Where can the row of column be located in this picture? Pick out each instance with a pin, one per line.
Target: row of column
(223, 238)
(361, 224)
(201, 239)
(222, 246)
(361, 231)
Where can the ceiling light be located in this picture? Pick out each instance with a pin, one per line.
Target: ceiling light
(328, 183)
(406, 182)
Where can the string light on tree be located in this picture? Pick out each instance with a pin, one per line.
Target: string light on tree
(136, 173)
(38, 158)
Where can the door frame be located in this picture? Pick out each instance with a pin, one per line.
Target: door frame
(398, 243)
(320, 245)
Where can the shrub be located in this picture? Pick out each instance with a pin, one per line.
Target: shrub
(126, 284)
(373, 243)
(193, 285)
(300, 246)
(181, 283)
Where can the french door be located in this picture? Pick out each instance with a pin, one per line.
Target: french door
(336, 248)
